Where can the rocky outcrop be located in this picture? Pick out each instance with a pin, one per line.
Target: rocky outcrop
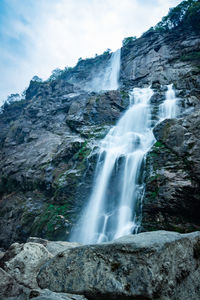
(172, 199)
(163, 58)
(155, 265)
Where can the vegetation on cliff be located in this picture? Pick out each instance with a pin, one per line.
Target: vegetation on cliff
(186, 14)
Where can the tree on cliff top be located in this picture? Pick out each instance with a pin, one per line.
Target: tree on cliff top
(187, 13)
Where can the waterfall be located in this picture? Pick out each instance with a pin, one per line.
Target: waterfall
(168, 109)
(111, 76)
(108, 79)
(117, 185)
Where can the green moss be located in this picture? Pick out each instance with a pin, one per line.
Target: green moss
(178, 229)
(153, 154)
(159, 145)
(154, 193)
(124, 94)
(154, 177)
(97, 132)
(192, 56)
(67, 181)
(82, 153)
(51, 222)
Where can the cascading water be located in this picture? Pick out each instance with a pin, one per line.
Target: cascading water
(111, 76)
(108, 79)
(110, 211)
(168, 109)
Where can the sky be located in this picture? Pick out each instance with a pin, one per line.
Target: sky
(37, 36)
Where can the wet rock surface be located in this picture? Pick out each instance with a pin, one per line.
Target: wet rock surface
(172, 200)
(153, 265)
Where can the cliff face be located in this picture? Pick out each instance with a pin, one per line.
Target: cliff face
(49, 141)
(46, 157)
(168, 57)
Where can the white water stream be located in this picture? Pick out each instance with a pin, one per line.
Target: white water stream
(108, 79)
(117, 187)
(168, 109)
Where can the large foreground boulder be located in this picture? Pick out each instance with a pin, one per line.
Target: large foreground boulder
(54, 247)
(151, 265)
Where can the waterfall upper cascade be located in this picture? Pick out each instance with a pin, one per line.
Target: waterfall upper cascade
(168, 109)
(108, 79)
(118, 184)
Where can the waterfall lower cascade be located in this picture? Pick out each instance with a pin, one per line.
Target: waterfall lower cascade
(109, 78)
(118, 185)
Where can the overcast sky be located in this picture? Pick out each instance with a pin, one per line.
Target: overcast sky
(37, 36)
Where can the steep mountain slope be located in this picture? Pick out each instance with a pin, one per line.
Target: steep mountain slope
(49, 141)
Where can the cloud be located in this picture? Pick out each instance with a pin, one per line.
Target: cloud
(36, 36)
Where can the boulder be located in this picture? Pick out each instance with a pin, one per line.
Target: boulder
(49, 295)
(150, 265)
(1, 254)
(54, 247)
(10, 289)
(23, 261)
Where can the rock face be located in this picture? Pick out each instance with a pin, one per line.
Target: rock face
(153, 265)
(161, 58)
(49, 140)
(48, 157)
(172, 199)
